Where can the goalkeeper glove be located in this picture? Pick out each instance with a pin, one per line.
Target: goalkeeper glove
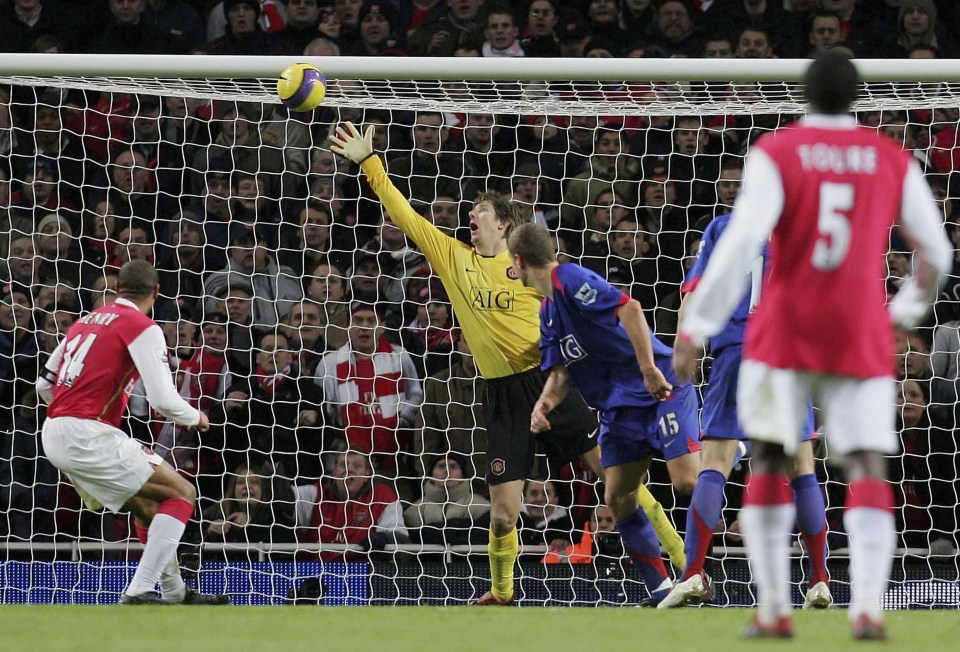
(348, 142)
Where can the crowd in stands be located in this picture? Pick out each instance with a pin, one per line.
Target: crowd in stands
(343, 399)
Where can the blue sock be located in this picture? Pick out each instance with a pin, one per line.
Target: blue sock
(640, 542)
(812, 519)
(706, 506)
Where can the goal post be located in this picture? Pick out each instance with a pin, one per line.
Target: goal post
(189, 161)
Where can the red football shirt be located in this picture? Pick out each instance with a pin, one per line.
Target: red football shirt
(96, 372)
(823, 305)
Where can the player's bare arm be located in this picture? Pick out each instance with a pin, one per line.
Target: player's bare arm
(685, 352)
(554, 391)
(631, 316)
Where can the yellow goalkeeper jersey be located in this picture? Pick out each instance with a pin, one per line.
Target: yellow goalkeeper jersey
(498, 315)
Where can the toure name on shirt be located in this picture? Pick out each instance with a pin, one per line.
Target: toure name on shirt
(854, 159)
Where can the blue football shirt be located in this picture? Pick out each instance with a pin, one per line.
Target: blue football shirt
(579, 327)
(732, 333)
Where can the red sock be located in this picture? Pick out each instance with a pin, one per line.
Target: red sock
(872, 493)
(816, 545)
(177, 508)
(767, 490)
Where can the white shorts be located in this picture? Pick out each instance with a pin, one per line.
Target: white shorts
(106, 466)
(859, 413)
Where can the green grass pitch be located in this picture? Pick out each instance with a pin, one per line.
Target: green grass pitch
(453, 629)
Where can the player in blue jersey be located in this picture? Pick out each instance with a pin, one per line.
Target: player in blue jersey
(724, 441)
(596, 336)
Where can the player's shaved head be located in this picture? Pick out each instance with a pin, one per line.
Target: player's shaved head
(533, 243)
(832, 83)
(137, 280)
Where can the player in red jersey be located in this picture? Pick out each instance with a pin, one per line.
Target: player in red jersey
(829, 192)
(87, 383)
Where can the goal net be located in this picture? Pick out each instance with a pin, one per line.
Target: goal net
(275, 258)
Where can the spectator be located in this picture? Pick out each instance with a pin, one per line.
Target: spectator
(444, 213)
(350, 506)
(39, 192)
(572, 33)
(244, 35)
(543, 521)
(371, 389)
(501, 34)
(127, 33)
(304, 331)
(637, 16)
(58, 251)
(753, 43)
(275, 286)
(610, 166)
(178, 19)
(271, 18)
(396, 260)
(913, 356)
(450, 512)
(430, 168)
(257, 507)
(380, 31)
(133, 243)
(181, 273)
(272, 415)
(767, 16)
(303, 23)
(133, 194)
(251, 198)
(311, 244)
(461, 26)
(321, 46)
(693, 167)
(22, 22)
(19, 349)
(860, 30)
(599, 541)
(431, 338)
(674, 31)
(825, 32)
(917, 25)
(22, 264)
(327, 286)
(539, 36)
(604, 24)
(925, 475)
(717, 46)
(602, 213)
(450, 417)
(414, 14)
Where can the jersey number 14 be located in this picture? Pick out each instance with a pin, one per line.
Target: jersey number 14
(74, 354)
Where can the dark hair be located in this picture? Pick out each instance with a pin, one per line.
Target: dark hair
(137, 280)
(832, 83)
(502, 208)
(533, 243)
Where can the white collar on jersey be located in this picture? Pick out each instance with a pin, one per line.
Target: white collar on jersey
(126, 302)
(825, 121)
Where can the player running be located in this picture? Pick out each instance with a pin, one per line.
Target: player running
(596, 335)
(829, 191)
(723, 443)
(87, 382)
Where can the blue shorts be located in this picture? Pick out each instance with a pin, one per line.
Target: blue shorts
(719, 417)
(631, 434)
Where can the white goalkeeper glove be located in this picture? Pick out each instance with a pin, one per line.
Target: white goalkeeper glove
(909, 306)
(350, 143)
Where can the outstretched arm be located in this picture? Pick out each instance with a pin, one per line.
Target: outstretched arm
(554, 391)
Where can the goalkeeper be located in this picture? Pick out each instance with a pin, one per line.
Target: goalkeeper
(500, 319)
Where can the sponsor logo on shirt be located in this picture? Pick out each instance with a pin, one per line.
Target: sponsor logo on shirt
(490, 299)
(571, 349)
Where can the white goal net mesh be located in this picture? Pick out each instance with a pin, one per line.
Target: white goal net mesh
(269, 247)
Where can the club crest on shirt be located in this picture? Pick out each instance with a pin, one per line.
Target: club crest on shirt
(512, 274)
(586, 294)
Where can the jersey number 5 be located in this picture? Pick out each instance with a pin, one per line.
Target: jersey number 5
(833, 225)
(74, 354)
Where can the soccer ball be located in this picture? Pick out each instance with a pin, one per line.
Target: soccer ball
(302, 87)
